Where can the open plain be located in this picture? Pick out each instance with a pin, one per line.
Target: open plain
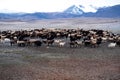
(60, 63)
(112, 24)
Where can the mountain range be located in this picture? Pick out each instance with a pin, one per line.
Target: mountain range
(72, 12)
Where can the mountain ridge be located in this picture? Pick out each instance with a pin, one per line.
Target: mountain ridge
(71, 12)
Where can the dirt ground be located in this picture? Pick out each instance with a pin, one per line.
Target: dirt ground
(55, 63)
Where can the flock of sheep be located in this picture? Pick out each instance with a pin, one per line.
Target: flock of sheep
(60, 37)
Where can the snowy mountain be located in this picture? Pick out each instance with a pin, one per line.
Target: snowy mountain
(71, 12)
(74, 10)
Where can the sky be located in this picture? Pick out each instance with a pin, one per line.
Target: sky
(31, 6)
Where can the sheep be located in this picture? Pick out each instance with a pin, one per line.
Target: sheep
(57, 41)
(73, 44)
(92, 32)
(50, 42)
(93, 42)
(21, 43)
(104, 39)
(99, 41)
(6, 41)
(47, 36)
(37, 43)
(87, 43)
(79, 43)
(61, 44)
(111, 45)
(110, 39)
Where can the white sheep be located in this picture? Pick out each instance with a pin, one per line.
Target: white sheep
(61, 44)
(57, 40)
(79, 43)
(5, 40)
(111, 45)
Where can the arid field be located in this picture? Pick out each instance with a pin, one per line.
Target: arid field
(60, 63)
(112, 24)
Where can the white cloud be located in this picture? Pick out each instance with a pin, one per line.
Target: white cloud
(51, 5)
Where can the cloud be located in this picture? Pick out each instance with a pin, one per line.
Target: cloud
(51, 5)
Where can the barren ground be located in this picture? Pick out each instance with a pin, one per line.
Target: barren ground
(55, 63)
(112, 24)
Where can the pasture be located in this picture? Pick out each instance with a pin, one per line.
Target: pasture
(60, 63)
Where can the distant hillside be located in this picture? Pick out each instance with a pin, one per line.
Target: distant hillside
(113, 11)
(36, 16)
(71, 12)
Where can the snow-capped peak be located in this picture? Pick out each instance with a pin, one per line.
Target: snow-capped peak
(74, 10)
(80, 9)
